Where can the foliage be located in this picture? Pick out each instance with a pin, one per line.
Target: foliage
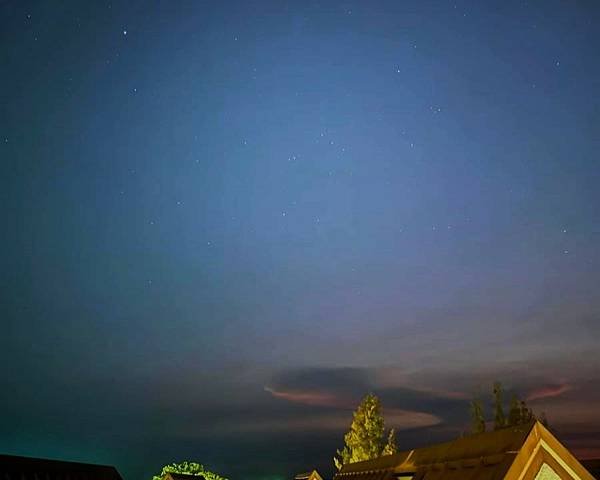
(526, 413)
(190, 468)
(514, 412)
(499, 418)
(518, 414)
(390, 447)
(477, 420)
(364, 441)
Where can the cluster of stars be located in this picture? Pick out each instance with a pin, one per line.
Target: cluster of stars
(322, 135)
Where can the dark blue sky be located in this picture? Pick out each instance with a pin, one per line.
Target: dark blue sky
(224, 222)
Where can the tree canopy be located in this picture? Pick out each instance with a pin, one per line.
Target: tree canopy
(390, 447)
(477, 419)
(499, 419)
(518, 414)
(189, 468)
(364, 440)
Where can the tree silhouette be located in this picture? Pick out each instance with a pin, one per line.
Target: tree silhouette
(477, 420)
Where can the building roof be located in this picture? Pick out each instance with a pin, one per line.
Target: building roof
(491, 456)
(14, 467)
(312, 475)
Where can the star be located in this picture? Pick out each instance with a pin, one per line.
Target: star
(125, 32)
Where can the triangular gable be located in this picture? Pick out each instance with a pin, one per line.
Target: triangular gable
(313, 475)
(542, 448)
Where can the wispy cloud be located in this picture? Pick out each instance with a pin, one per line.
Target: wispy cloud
(548, 391)
(324, 399)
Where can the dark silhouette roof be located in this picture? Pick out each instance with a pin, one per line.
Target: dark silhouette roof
(13, 467)
(183, 476)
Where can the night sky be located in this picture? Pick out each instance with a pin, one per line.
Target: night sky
(223, 223)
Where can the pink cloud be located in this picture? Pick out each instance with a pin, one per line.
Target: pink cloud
(395, 417)
(549, 391)
(407, 419)
(322, 399)
(333, 421)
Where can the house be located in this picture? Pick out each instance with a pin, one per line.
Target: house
(314, 475)
(26, 468)
(525, 452)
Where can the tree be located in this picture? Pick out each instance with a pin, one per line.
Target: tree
(499, 418)
(390, 447)
(518, 414)
(190, 468)
(477, 420)
(364, 440)
(526, 413)
(515, 416)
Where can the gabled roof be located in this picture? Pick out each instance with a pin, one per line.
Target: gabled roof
(313, 475)
(28, 468)
(500, 454)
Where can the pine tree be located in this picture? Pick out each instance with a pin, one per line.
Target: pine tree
(390, 447)
(477, 419)
(364, 440)
(499, 418)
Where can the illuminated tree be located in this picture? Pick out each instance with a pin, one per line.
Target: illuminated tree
(364, 441)
(189, 468)
(390, 447)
